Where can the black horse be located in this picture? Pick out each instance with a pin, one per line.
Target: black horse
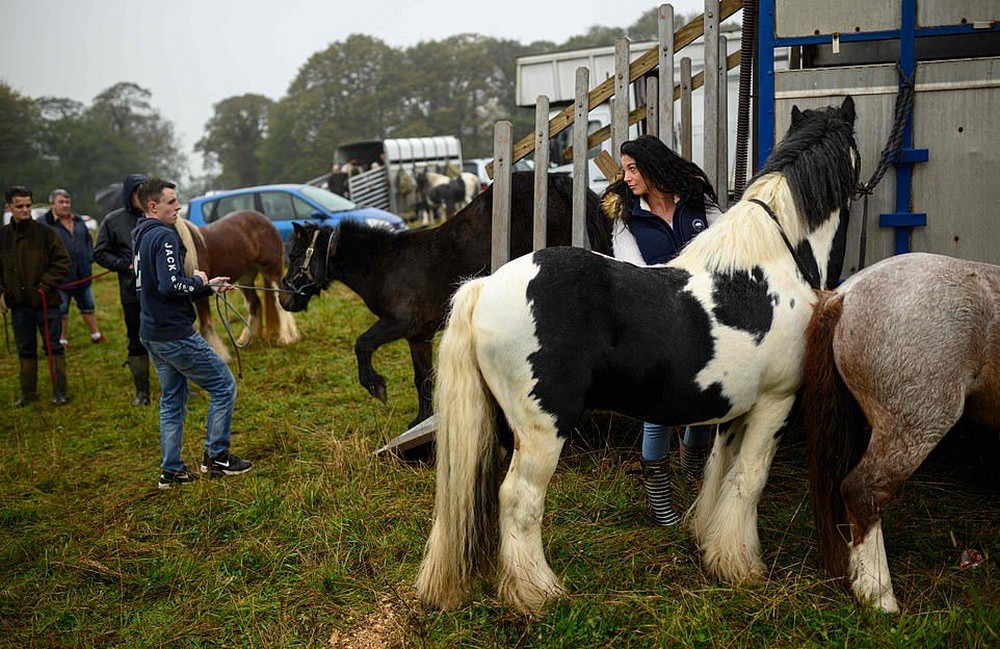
(407, 278)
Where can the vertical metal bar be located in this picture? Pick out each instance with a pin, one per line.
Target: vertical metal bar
(503, 151)
(619, 109)
(904, 172)
(581, 175)
(765, 81)
(652, 107)
(711, 76)
(722, 185)
(541, 171)
(665, 118)
(686, 145)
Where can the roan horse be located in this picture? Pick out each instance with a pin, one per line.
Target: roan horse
(715, 335)
(896, 356)
(239, 246)
(407, 278)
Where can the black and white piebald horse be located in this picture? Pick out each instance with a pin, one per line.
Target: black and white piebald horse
(716, 335)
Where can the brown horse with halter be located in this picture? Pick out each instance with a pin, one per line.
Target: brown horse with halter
(894, 358)
(240, 246)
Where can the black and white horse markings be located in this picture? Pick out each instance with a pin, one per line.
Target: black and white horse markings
(714, 336)
(438, 192)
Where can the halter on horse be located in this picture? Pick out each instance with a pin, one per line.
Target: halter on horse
(716, 335)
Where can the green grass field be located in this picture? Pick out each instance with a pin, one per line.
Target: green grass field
(320, 543)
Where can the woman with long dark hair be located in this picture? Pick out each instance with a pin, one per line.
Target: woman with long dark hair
(661, 202)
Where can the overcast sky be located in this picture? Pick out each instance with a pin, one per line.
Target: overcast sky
(191, 54)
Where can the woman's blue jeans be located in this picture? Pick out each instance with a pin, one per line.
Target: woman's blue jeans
(177, 361)
(656, 439)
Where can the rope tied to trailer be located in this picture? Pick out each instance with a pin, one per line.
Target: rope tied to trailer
(892, 152)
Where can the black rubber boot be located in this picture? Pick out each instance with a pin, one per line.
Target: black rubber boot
(658, 491)
(29, 381)
(139, 366)
(693, 464)
(59, 395)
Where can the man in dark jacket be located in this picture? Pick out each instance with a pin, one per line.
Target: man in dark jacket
(76, 237)
(33, 263)
(114, 251)
(179, 353)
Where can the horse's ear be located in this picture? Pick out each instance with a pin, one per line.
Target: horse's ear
(797, 116)
(847, 109)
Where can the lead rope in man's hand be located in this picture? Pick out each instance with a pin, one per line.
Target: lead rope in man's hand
(220, 299)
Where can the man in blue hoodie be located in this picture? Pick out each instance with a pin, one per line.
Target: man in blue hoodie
(178, 352)
(113, 250)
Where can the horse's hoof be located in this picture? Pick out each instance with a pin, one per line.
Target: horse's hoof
(378, 390)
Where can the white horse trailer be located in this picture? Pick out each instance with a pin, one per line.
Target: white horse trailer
(379, 173)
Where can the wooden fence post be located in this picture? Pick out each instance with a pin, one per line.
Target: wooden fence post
(620, 107)
(539, 236)
(710, 159)
(652, 107)
(722, 162)
(687, 149)
(665, 105)
(502, 152)
(581, 172)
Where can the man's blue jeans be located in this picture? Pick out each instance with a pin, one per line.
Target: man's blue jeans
(192, 358)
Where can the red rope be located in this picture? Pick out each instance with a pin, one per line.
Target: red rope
(45, 319)
(48, 338)
(63, 287)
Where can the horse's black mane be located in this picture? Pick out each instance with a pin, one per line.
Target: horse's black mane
(360, 229)
(815, 158)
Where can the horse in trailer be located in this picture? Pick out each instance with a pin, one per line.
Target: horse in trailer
(406, 278)
(438, 191)
(716, 335)
(894, 358)
(240, 246)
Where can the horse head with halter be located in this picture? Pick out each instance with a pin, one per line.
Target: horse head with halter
(307, 274)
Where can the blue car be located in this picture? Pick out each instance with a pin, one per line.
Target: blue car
(284, 204)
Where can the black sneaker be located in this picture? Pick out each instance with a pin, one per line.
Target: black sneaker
(170, 478)
(225, 463)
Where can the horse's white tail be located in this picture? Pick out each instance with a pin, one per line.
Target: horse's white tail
(188, 233)
(464, 539)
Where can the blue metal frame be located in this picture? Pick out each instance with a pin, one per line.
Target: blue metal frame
(902, 219)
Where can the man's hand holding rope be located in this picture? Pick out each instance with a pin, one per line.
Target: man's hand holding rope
(217, 284)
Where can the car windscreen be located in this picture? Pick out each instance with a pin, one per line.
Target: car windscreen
(330, 201)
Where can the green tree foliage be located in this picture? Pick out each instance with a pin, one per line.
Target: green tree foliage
(21, 162)
(352, 90)
(126, 110)
(56, 142)
(234, 136)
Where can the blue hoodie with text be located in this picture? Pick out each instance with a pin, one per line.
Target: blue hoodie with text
(165, 291)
